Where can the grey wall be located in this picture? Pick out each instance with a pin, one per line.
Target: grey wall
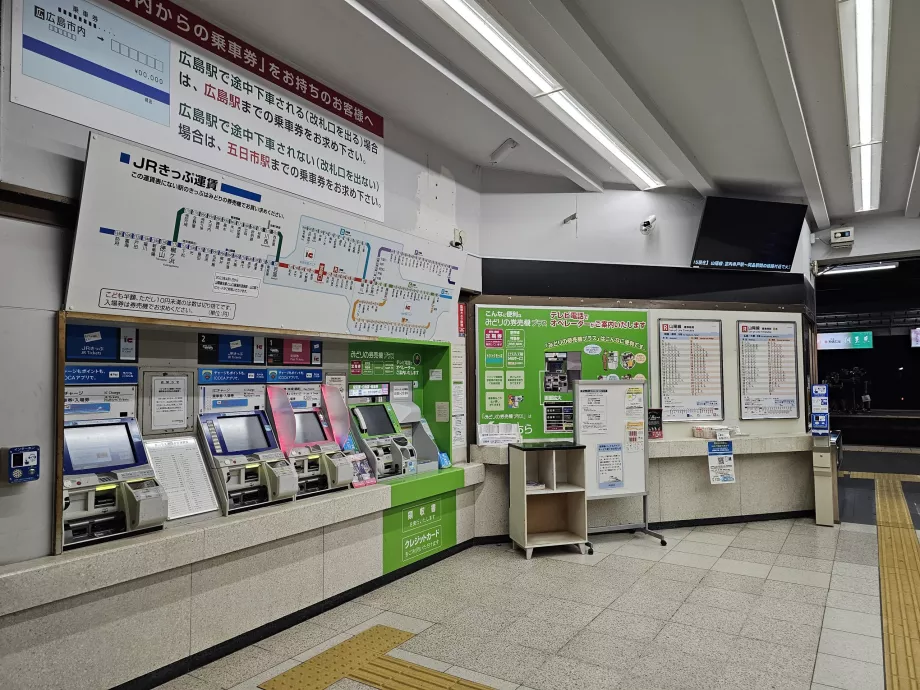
(879, 237)
(522, 218)
(33, 261)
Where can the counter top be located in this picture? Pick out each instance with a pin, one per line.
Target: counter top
(546, 445)
(51, 578)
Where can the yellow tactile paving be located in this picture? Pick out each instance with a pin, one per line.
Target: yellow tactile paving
(899, 575)
(363, 658)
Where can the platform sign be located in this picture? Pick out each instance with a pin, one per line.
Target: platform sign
(155, 73)
(161, 237)
(861, 340)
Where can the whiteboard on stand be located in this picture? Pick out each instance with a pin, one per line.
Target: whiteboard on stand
(611, 421)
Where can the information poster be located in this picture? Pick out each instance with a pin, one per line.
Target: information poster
(528, 359)
(610, 465)
(768, 373)
(592, 412)
(180, 470)
(690, 352)
(721, 462)
(169, 403)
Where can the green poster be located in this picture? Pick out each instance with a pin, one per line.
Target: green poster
(416, 530)
(530, 357)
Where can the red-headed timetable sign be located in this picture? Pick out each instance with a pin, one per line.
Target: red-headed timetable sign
(202, 33)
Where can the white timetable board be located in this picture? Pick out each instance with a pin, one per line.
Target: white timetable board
(768, 369)
(180, 469)
(690, 362)
(611, 422)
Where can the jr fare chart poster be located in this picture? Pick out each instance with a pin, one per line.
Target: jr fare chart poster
(530, 357)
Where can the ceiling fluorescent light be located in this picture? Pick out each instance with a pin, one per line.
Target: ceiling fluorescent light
(864, 27)
(482, 31)
(858, 268)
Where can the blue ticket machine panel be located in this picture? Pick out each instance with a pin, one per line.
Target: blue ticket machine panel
(21, 464)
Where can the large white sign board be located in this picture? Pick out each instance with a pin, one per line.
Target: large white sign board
(242, 112)
(611, 424)
(768, 369)
(160, 237)
(691, 369)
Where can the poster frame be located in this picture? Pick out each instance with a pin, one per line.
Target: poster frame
(721, 375)
(795, 354)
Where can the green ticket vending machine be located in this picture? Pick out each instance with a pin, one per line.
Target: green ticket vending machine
(376, 428)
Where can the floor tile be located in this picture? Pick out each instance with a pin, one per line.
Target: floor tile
(238, 666)
(858, 538)
(322, 647)
(744, 679)
(254, 682)
(810, 528)
(853, 622)
(700, 548)
(680, 573)
(795, 592)
(694, 641)
(769, 657)
(297, 639)
(561, 673)
(624, 564)
(818, 565)
(851, 646)
(691, 560)
(709, 618)
(648, 553)
(673, 670)
(733, 553)
(480, 618)
(799, 576)
(730, 529)
(645, 604)
(187, 682)
(455, 646)
(819, 540)
(511, 662)
(862, 555)
(392, 620)
(855, 570)
(481, 678)
(349, 684)
(781, 632)
(856, 527)
(675, 532)
(626, 625)
(610, 543)
(807, 550)
(792, 611)
(593, 595)
(859, 585)
(725, 565)
(419, 659)
(739, 602)
(818, 686)
(563, 611)
(771, 525)
(854, 602)
(604, 650)
(427, 607)
(538, 634)
(733, 581)
(849, 674)
(662, 587)
(346, 616)
(581, 559)
(710, 538)
(760, 541)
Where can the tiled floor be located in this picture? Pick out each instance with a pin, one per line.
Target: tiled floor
(781, 604)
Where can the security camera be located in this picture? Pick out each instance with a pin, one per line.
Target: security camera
(647, 225)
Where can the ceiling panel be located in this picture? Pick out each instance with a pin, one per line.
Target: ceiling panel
(699, 64)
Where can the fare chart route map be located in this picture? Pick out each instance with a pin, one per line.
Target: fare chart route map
(223, 250)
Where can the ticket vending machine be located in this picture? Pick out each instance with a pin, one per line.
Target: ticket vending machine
(246, 463)
(414, 426)
(109, 485)
(307, 441)
(376, 427)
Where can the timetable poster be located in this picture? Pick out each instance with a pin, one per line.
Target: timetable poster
(690, 352)
(768, 364)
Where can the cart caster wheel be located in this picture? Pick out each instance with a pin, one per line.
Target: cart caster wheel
(590, 552)
(664, 543)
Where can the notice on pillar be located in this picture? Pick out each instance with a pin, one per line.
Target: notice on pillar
(721, 462)
(768, 370)
(610, 465)
(169, 403)
(592, 412)
(691, 370)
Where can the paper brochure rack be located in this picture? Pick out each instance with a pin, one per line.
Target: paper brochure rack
(611, 424)
(554, 514)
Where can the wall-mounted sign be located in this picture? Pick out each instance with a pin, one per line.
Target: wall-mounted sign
(224, 349)
(230, 375)
(158, 237)
(861, 340)
(99, 374)
(101, 344)
(155, 73)
(294, 375)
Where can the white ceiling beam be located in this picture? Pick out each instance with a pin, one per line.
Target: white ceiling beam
(912, 210)
(413, 43)
(591, 52)
(763, 18)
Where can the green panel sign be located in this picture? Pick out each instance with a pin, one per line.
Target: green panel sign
(417, 530)
(861, 340)
(530, 357)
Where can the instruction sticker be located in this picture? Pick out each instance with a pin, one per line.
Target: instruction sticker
(169, 403)
(610, 465)
(495, 402)
(442, 412)
(495, 380)
(230, 284)
(514, 380)
(721, 462)
(635, 437)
